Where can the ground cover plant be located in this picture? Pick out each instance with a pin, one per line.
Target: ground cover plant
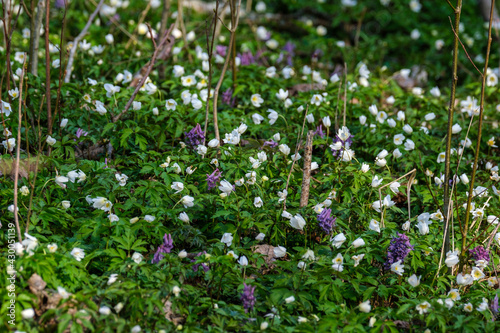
(250, 166)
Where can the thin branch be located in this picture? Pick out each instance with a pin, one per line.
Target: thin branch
(157, 48)
(77, 40)
(210, 49)
(463, 47)
(449, 3)
(47, 67)
(451, 110)
(478, 144)
(414, 171)
(296, 150)
(18, 153)
(61, 48)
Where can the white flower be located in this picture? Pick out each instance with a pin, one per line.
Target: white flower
(358, 243)
(338, 240)
(464, 280)
(187, 201)
(282, 94)
(226, 187)
(414, 281)
(423, 307)
(284, 149)
(374, 225)
(177, 186)
(243, 261)
(365, 307)
(78, 254)
(397, 268)
(398, 139)
(483, 306)
(289, 299)
(273, 116)
(362, 120)
(178, 70)
(406, 226)
(477, 274)
(260, 236)
(28, 313)
(423, 228)
(104, 310)
(52, 247)
(149, 218)
(136, 328)
(256, 100)
(407, 128)
(376, 181)
(137, 257)
(63, 293)
(136, 105)
(365, 167)
(468, 307)
(257, 202)
(184, 217)
(279, 251)
(409, 145)
(182, 254)
(297, 222)
(395, 187)
(317, 99)
(50, 140)
(201, 149)
(111, 89)
(227, 239)
(357, 259)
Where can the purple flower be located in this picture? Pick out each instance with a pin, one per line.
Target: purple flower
(494, 305)
(227, 97)
(80, 132)
(213, 179)
(221, 50)
(247, 297)
(480, 253)
(195, 136)
(319, 131)
(347, 143)
(270, 143)
(398, 250)
(60, 3)
(326, 221)
(289, 48)
(166, 247)
(247, 58)
(204, 266)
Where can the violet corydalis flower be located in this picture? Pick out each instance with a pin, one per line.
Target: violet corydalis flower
(398, 249)
(213, 179)
(195, 136)
(480, 253)
(270, 143)
(247, 297)
(326, 221)
(204, 266)
(494, 305)
(227, 97)
(221, 50)
(80, 132)
(166, 247)
(319, 131)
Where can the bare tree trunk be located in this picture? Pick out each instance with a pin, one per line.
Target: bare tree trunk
(36, 23)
